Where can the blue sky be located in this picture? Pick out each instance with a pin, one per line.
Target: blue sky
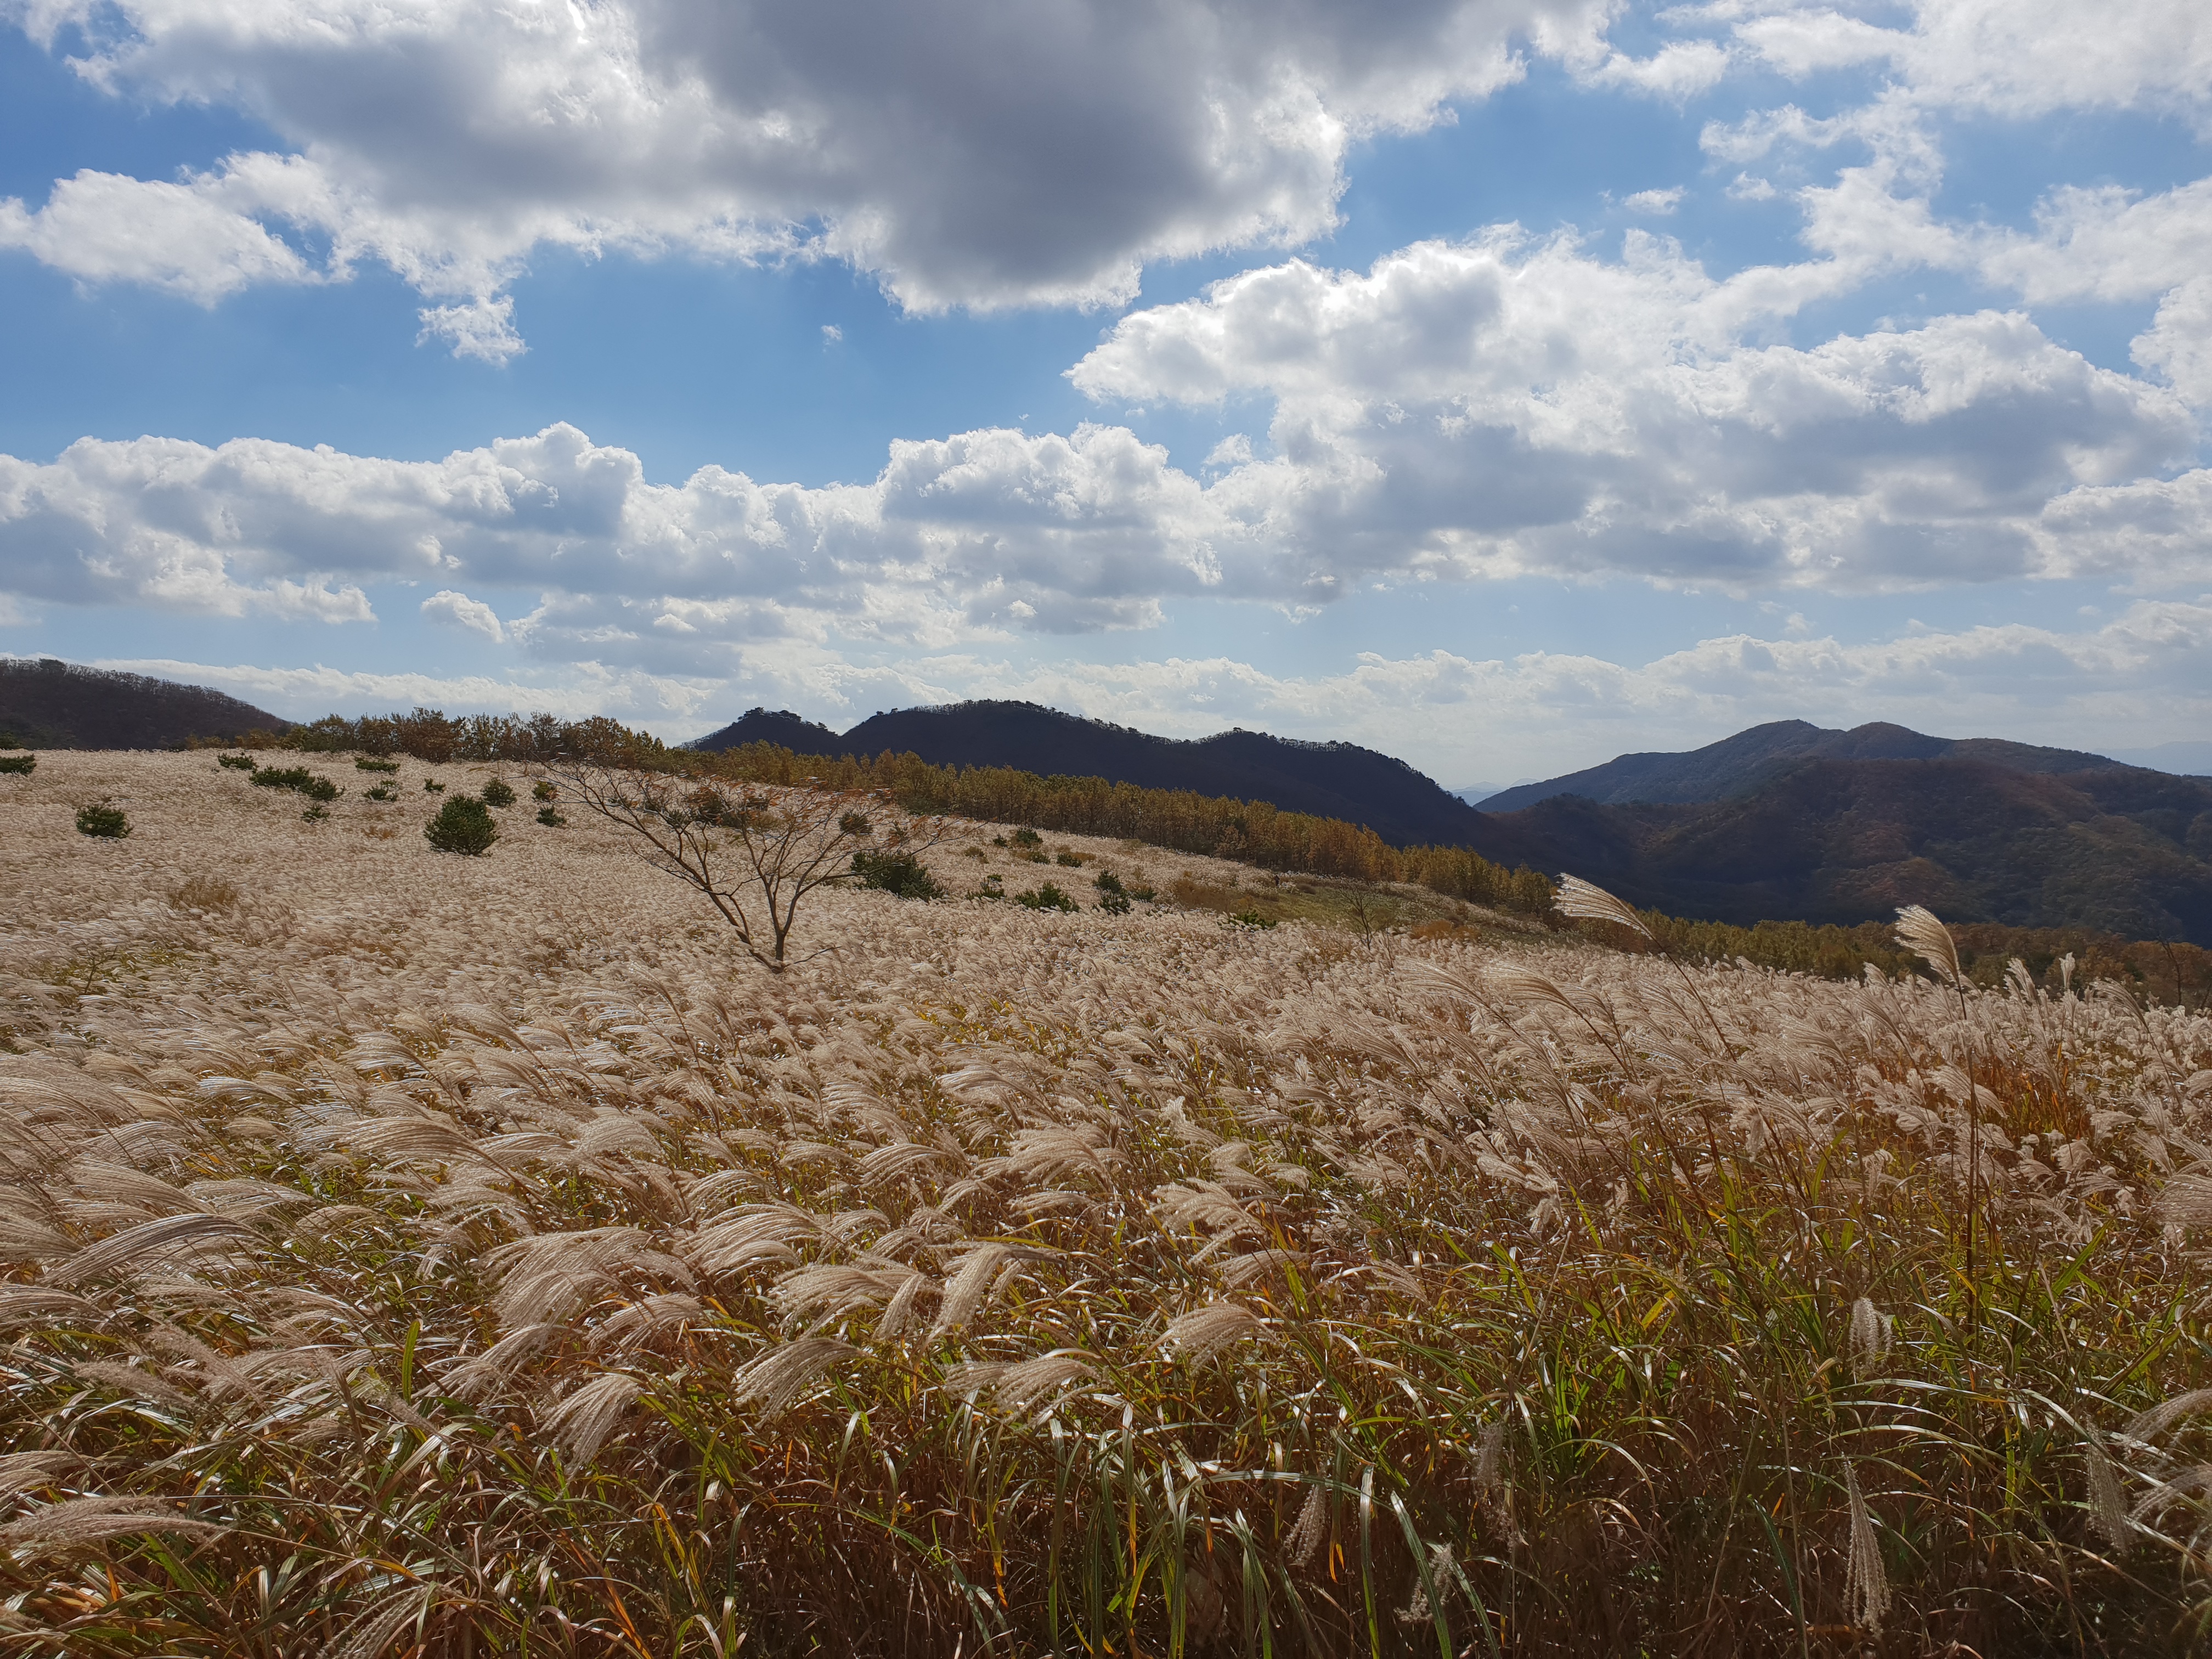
(1505, 386)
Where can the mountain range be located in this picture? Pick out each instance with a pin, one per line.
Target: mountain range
(1329, 779)
(1736, 765)
(1784, 821)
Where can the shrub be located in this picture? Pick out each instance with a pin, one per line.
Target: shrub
(237, 762)
(1046, 898)
(856, 824)
(365, 765)
(543, 790)
(1115, 903)
(1143, 893)
(897, 872)
(1251, 919)
(299, 778)
(382, 791)
(1072, 861)
(993, 887)
(550, 818)
(1107, 882)
(463, 825)
(24, 764)
(103, 820)
(315, 813)
(498, 793)
(431, 786)
(1027, 838)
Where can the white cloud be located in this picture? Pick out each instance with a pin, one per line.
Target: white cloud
(458, 609)
(482, 328)
(969, 153)
(1508, 406)
(656, 702)
(1679, 70)
(1500, 407)
(1657, 202)
(191, 238)
(2008, 57)
(2134, 679)
(2179, 342)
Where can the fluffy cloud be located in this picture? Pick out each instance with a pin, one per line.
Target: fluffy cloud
(2008, 57)
(969, 154)
(1507, 406)
(458, 610)
(1499, 407)
(974, 534)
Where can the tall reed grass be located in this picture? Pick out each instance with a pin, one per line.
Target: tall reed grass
(480, 1256)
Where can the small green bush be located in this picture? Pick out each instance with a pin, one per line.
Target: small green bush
(1046, 898)
(856, 824)
(376, 766)
(382, 791)
(431, 786)
(1072, 861)
(550, 818)
(1115, 903)
(312, 785)
(104, 821)
(543, 790)
(237, 762)
(1251, 919)
(897, 872)
(498, 793)
(24, 764)
(993, 887)
(1027, 838)
(463, 825)
(315, 814)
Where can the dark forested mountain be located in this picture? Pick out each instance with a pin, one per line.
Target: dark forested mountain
(1736, 765)
(1333, 780)
(2119, 848)
(48, 704)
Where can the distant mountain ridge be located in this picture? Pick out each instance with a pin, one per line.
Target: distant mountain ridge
(49, 704)
(1738, 764)
(1331, 780)
(2119, 848)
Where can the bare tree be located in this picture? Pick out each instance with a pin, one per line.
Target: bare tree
(756, 854)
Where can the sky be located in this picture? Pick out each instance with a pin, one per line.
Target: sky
(1502, 384)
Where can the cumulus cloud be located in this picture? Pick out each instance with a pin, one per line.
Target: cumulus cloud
(191, 238)
(969, 154)
(459, 610)
(2008, 57)
(1508, 406)
(1504, 406)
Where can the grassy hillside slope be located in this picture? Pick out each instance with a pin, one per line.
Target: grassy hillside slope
(408, 1253)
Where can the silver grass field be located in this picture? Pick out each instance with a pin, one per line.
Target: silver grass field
(409, 1254)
